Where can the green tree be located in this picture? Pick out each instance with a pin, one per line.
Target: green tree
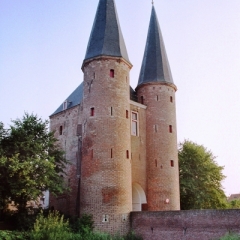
(30, 161)
(200, 178)
(234, 204)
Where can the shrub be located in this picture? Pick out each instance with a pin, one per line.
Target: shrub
(132, 236)
(230, 236)
(82, 225)
(50, 228)
(8, 235)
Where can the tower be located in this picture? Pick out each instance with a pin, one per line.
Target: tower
(156, 90)
(106, 168)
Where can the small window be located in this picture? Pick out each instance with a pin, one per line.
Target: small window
(134, 124)
(172, 163)
(171, 99)
(79, 130)
(61, 130)
(126, 113)
(157, 97)
(127, 154)
(142, 100)
(111, 111)
(65, 105)
(170, 128)
(111, 153)
(156, 163)
(105, 218)
(92, 112)
(112, 73)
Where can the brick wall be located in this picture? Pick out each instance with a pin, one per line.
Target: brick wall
(185, 225)
(138, 145)
(68, 141)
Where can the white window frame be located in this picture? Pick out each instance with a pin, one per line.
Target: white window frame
(65, 105)
(137, 122)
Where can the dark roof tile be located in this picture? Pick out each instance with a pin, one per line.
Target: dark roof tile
(155, 66)
(106, 38)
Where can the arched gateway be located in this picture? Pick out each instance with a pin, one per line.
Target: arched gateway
(138, 197)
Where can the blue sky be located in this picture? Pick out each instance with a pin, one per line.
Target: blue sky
(43, 44)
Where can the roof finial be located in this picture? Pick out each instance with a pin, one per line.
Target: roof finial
(152, 2)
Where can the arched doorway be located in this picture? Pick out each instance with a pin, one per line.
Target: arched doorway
(138, 197)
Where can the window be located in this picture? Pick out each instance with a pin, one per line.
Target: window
(126, 113)
(172, 163)
(111, 153)
(127, 154)
(61, 130)
(112, 73)
(105, 218)
(142, 100)
(92, 112)
(171, 99)
(65, 105)
(170, 128)
(111, 111)
(79, 130)
(134, 123)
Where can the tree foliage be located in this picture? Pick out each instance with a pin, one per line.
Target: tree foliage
(234, 204)
(30, 161)
(200, 178)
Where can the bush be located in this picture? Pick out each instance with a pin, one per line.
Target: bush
(53, 227)
(230, 236)
(82, 225)
(7, 235)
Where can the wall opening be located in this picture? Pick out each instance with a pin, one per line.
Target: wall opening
(170, 128)
(138, 197)
(172, 163)
(92, 112)
(171, 99)
(127, 154)
(142, 100)
(112, 73)
(134, 127)
(60, 130)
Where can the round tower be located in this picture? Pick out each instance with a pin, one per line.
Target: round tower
(106, 168)
(156, 90)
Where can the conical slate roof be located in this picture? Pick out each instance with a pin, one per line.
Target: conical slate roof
(106, 37)
(155, 66)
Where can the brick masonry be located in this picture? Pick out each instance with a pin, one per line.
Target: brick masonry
(106, 163)
(185, 225)
(119, 172)
(161, 150)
